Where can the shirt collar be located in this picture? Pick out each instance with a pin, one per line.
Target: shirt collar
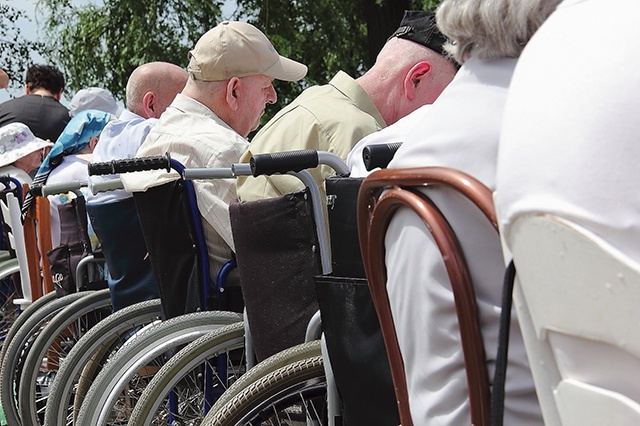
(351, 89)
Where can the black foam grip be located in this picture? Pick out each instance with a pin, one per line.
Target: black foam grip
(36, 191)
(379, 155)
(131, 165)
(283, 162)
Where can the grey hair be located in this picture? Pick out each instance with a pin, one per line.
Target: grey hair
(491, 29)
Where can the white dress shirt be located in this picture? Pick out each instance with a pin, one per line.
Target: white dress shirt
(119, 139)
(196, 137)
(461, 131)
(569, 147)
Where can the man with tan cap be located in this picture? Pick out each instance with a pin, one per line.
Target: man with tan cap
(231, 70)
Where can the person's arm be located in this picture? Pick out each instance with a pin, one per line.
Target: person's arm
(4, 79)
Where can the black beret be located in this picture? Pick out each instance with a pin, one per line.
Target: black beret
(420, 26)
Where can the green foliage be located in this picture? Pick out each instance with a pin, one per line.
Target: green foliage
(430, 4)
(16, 53)
(327, 36)
(101, 45)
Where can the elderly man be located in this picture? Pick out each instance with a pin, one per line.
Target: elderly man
(150, 89)
(231, 71)
(410, 71)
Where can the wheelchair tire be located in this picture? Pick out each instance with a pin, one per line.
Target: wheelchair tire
(185, 374)
(18, 349)
(51, 346)
(22, 318)
(97, 344)
(294, 393)
(274, 362)
(135, 364)
(9, 291)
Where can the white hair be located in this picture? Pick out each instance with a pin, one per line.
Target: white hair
(491, 29)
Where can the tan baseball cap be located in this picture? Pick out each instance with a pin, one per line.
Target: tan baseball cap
(238, 49)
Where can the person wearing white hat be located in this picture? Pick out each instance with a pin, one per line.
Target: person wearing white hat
(20, 151)
(231, 71)
(93, 98)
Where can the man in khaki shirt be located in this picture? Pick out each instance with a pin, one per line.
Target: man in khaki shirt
(410, 71)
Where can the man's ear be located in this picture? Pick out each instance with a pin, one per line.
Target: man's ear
(414, 77)
(58, 95)
(93, 142)
(149, 105)
(232, 93)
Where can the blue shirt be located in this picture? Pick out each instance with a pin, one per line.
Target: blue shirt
(120, 139)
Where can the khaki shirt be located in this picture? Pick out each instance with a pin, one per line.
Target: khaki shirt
(333, 118)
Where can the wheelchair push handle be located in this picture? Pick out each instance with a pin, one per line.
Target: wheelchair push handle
(56, 188)
(283, 162)
(379, 155)
(105, 186)
(237, 169)
(131, 165)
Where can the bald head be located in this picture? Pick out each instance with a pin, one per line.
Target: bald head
(153, 86)
(406, 76)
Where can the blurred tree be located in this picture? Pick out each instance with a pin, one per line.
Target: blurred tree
(16, 53)
(101, 45)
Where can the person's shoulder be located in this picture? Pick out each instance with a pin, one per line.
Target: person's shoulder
(10, 104)
(54, 103)
(48, 102)
(134, 126)
(295, 118)
(71, 168)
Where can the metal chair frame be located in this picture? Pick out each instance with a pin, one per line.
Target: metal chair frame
(381, 194)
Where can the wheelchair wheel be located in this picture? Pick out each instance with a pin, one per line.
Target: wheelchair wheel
(9, 291)
(119, 385)
(94, 348)
(18, 349)
(292, 395)
(22, 318)
(273, 363)
(185, 387)
(51, 348)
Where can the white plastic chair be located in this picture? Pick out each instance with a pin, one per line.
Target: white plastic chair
(578, 302)
(11, 215)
